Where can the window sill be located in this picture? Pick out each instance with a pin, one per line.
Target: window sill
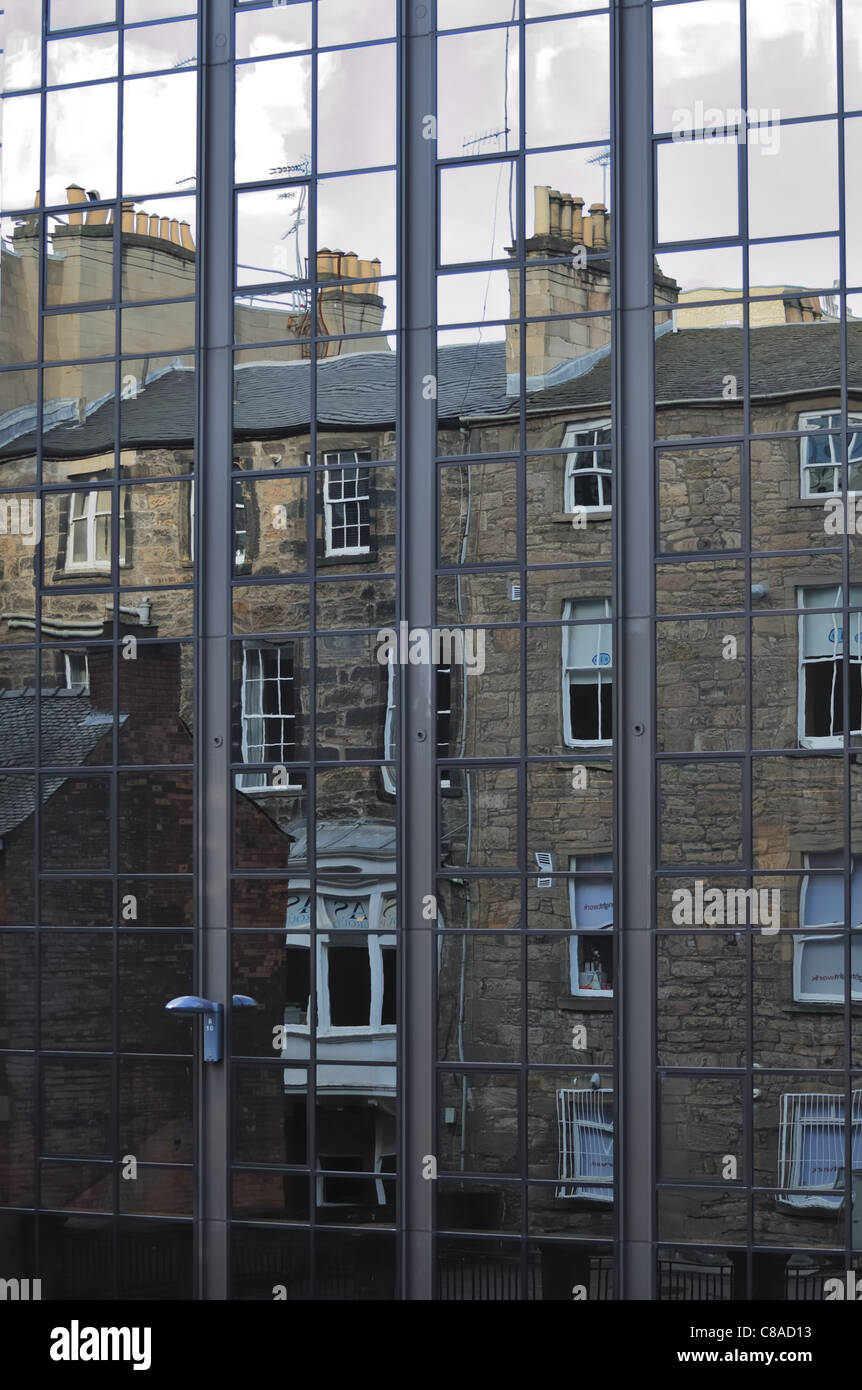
(73, 575)
(815, 501)
(568, 518)
(585, 1004)
(349, 561)
(801, 1007)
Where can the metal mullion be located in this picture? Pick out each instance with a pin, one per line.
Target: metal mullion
(634, 808)
(417, 195)
(521, 566)
(846, 664)
(213, 831)
(313, 569)
(38, 557)
(116, 522)
(748, 759)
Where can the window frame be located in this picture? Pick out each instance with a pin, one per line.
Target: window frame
(569, 1154)
(838, 466)
(832, 740)
(816, 1197)
(244, 779)
(81, 656)
(820, 932)
(572, 624)
(346, 460)
(89, 518)
(579, 934)
(378, 939)
(570, 506)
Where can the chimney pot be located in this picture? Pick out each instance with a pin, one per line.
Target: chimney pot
(75, 194)
(566, 217)
(541, 193)
(554, 199)
(186, 236)
(598, 214)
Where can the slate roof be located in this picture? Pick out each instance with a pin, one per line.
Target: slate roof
(359, 389)
(71, 729)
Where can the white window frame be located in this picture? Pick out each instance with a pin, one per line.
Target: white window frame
(375, 1026)
(257, 780)
(804, 597)
(240, 556)
(833, 417)
(582, 1113)
(820, 933)
(380, 907)
(579, 931)
(569, 503)
(87, 519)
(825, 1110)
(570, 609)
(344, 461)
(68, 659)
(390, 727)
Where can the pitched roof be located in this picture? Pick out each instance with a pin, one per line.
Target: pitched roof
(71, 727)
(360, 389)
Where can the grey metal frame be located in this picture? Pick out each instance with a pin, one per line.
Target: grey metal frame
(213, 520)
(417, 466)
(631, 414)
(417, 544)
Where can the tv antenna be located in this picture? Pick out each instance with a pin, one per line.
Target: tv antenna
(478, 140)
(603, 158)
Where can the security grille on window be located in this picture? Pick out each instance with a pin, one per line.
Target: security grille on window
(822, 455)
(819, 971)
(812, 1155)
(587, 673)
(591, 905)
(586, 1133)
(346, 505)
(825, 649)
(588, 466)
(89, 541)
(268, 709)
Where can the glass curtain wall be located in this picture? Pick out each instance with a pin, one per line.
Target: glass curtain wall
(359, 584)
(757, 647)
(97, 665)
(315, 700)
(526, 957)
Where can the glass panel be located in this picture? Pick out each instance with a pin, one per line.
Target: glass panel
(92, 164)
(272, 140)
(345, 140)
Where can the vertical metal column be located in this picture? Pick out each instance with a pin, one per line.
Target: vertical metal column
(213, 548)
(417, 798)
(634, 550)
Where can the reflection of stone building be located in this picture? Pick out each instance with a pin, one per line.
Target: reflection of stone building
(332, 942)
